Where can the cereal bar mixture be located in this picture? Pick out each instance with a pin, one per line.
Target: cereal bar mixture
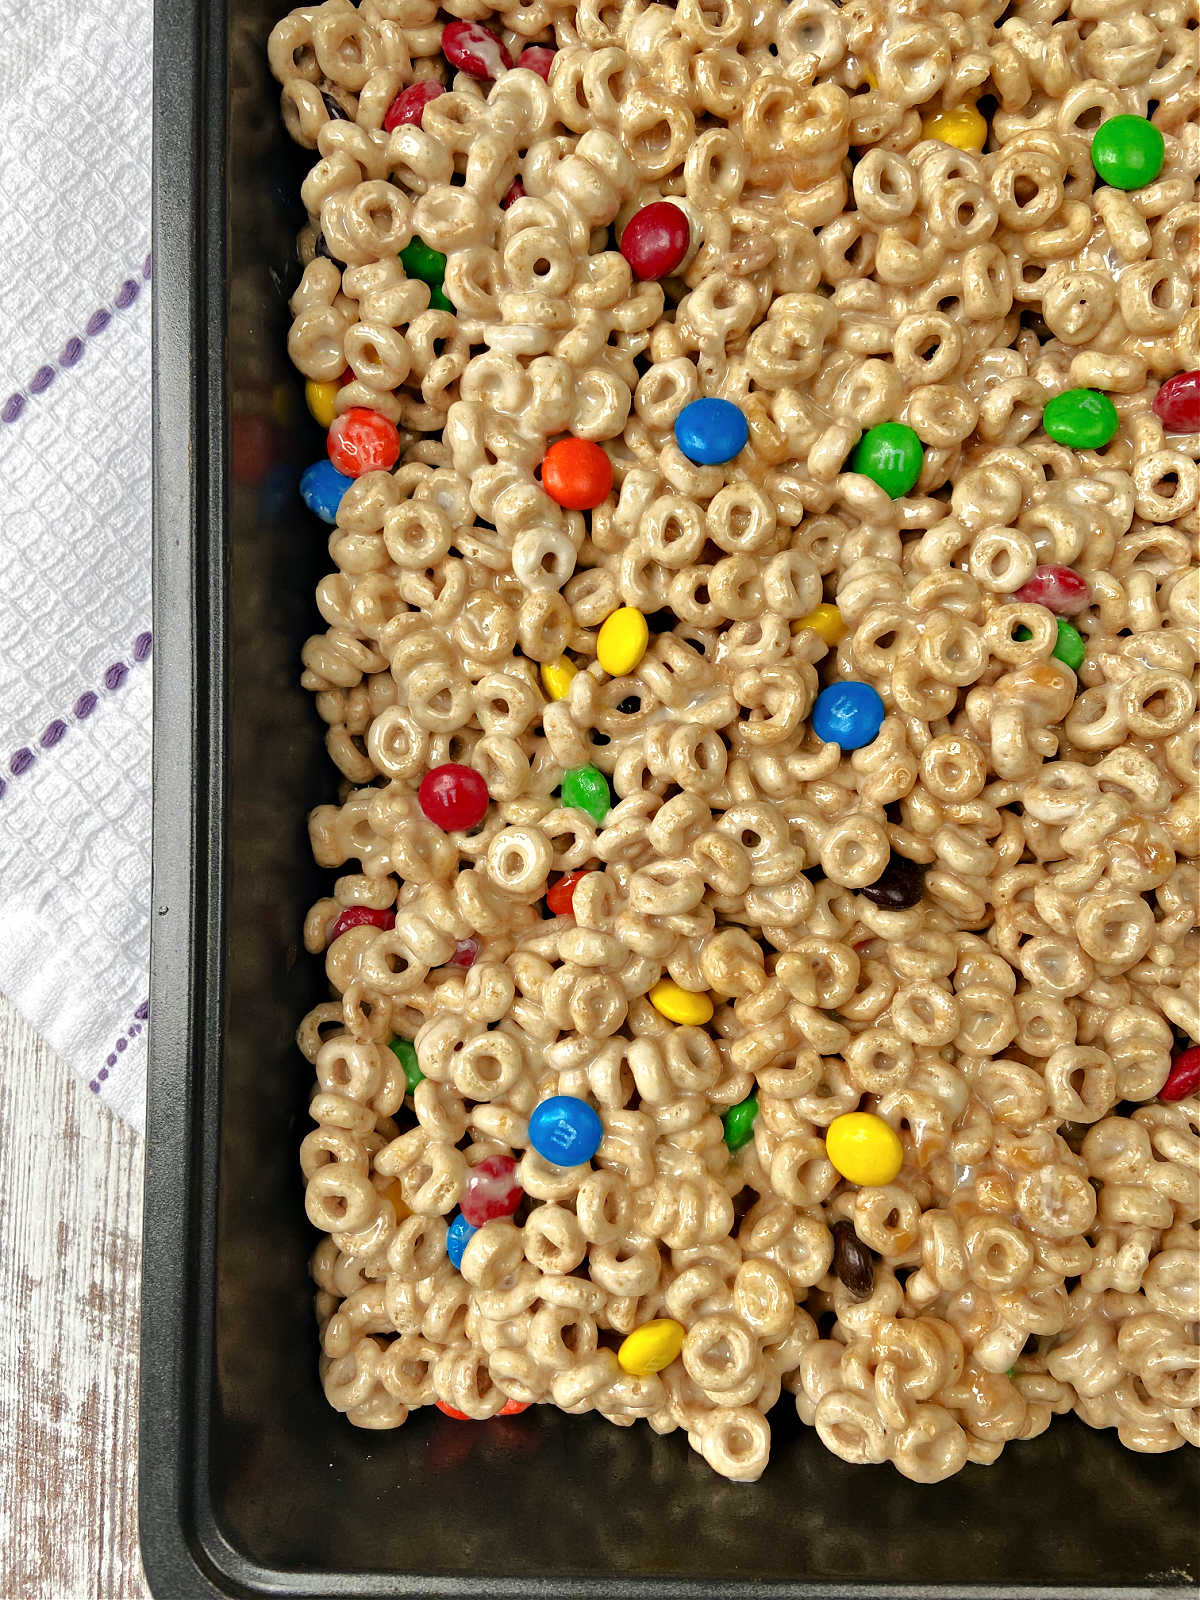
(760, 659)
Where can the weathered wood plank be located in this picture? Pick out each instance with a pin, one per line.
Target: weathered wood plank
(69, 1254)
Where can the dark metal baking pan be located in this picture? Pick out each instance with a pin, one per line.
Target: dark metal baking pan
(250, 1484)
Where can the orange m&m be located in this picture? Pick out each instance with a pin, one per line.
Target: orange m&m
(577, 474)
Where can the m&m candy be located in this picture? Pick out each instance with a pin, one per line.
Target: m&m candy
(1059, 589)
(826, 621)
(1184, 1077)
(651, 1347)
(1177, 403)
(408, 108)
(474, 49)
(360, 917)
(711, 431)
(586, 788)
(362, 441)
(622, 640)
(321, 488)
(538, 58)
(458, 1236)
(576, 474)
(454, 797)
(1127, 152)
(319, 397)
(1083, 419)
(405, 1053)
(466, 953)
(963, 127)
(655, 240)
(891, 455)
(853, 1264)
(492, 1191)
(899, 886)
(739, 1121)
(1069, 647)
(510, 1408)
(428, 266)
(419, 260)
(565, 1131)
(557, 676)
(864, 1148)
(560, 897)
(847, 714)
(680, 1005)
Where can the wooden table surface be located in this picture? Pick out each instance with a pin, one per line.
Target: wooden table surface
(70, 1243)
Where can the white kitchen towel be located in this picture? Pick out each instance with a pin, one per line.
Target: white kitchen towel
(75, 533)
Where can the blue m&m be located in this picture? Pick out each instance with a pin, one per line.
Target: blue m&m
(711, 431)
(458, 1236)
(847, 714)
(322, 487)
(565, 1131)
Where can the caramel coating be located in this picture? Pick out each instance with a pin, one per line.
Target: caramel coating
(1038, 1251)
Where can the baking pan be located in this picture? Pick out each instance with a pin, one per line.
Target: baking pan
(250, 1483)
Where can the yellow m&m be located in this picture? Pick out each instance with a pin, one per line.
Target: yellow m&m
(864, 1148)
(963, 127)
(320, 398)
(556, 677)
(395, 1193)
(651, 1347)
(681, 1005)
(622, 640)
(825, 620)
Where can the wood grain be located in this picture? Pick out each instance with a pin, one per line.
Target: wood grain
(69, 1254)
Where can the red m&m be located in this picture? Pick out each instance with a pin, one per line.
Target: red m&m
(655, 240)
(453, 797)
(561, 896)
(515, 191)
(363, 441)
(577, 474)
(1058, 589)
(466, 953)
(510, 1408)
(449, 1411)
(408, 108)
(1184, 1076)
(360, 917)
(538, 58)
(1177, 403)
(474, 49)
(492, 1191)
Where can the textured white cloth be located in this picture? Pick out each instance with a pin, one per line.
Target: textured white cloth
(75, 533)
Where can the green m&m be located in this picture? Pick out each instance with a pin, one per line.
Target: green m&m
(419, 261)
(1084, 419)
(406, 1055)
(739, 1122)
(1127, 152)
(1070, 648)
(891, 455)
(586, 788)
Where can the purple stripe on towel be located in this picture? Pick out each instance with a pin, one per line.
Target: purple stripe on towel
(53, 734)
(122, 1044)
(73, 349)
